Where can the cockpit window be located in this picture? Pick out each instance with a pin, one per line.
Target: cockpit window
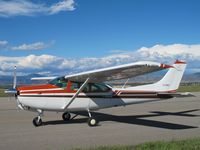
(99, 87)
(91, 87)
(75, 86)
(60, 82)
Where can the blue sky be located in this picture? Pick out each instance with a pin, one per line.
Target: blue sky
(80, 29)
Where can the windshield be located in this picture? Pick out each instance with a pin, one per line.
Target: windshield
(60, 82)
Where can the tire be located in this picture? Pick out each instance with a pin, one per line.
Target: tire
(37, 122)
(66, 116)
(92, 122)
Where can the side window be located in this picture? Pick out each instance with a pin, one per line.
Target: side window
(99, 88)
(91, 87)
(103, 87)
(60, 82)
(95, 88)
(75, 86)
(87, 89)
(62, 85)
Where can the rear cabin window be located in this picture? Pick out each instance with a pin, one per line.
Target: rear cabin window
(60, 82)
(91, 87)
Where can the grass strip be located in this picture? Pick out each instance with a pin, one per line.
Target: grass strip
(2, 93)
(189, 144)
(189, 88)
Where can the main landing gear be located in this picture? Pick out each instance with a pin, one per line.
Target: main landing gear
(66, 116)
(37, 121)
(92, 121)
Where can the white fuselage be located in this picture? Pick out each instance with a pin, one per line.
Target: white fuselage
(57, 102)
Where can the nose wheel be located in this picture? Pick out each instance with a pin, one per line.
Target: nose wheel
(37, 121)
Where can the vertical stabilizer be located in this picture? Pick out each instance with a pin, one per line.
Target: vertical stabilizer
(169, 83)
(172, 79)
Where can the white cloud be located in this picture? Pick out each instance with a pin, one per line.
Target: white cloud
(30, 62)
(28, 8)
(57, 65)
(3, 43)
(66, 5)
(33, 46)
(174, 50)
(119, 51)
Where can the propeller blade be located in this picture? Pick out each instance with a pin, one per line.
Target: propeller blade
(13, 92)
(14, 78)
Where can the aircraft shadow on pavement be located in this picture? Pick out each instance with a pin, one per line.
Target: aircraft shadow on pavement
(135, 120)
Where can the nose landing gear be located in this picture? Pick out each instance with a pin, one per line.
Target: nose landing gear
(37, 121)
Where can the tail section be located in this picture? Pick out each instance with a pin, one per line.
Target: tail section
(169, 83)
(172, 79)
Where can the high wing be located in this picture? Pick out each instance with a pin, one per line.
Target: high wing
(118, 72)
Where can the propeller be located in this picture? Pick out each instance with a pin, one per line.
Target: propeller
(15, 78)
(13, 91)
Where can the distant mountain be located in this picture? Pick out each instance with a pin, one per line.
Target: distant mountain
(197, 74)
(21, 80)
(195, 77)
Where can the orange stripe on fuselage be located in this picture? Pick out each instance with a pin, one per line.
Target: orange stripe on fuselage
(45, 88)
(35, 87)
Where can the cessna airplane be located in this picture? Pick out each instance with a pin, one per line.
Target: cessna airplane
(87, 91)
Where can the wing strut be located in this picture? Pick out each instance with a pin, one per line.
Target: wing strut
(76, 94)
(125, 83)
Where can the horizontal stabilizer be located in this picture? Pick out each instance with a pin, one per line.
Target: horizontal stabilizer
(167, 95)
(43, 78)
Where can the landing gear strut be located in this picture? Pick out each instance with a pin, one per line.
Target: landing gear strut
(92, 121)
(37, 121)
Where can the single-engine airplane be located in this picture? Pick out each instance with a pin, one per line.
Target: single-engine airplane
(87, 91)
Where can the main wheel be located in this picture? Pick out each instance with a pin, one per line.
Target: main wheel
(37, 121)
(66, 116)
(92, 122)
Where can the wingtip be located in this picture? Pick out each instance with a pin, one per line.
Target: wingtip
(165, 66)
(180, 62)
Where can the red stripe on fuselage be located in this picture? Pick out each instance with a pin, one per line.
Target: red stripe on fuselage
(35, 87)
(45, 88)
